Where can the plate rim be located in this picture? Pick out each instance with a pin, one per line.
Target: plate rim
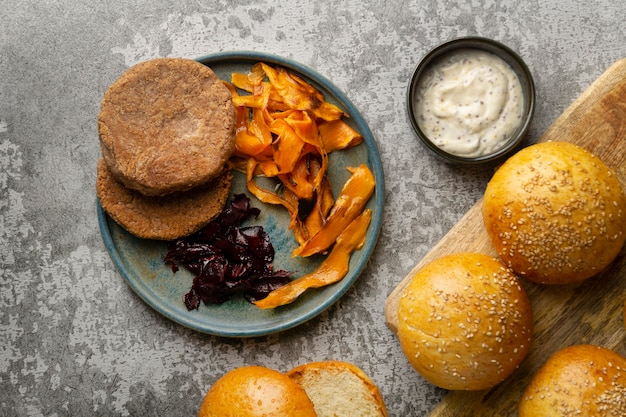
(374, 163)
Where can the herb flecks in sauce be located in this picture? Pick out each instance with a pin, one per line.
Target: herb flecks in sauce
(469, 102)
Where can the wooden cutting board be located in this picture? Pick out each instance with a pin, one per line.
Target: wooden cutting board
(591, 312)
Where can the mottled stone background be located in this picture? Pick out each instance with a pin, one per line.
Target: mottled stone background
(74, 338)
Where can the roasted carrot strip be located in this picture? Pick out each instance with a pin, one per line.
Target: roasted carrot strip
(319, 106)
(252, 82)
(284, 125)
(287, 147)
(298, 181)
(299, 94)
(303, 180)
(251, 100)
(253, 136)
(296, 224)
(304, 126)
(248, 145)
(328, 111)
(337, 135)
(242, 81)
(256, 74)
(313, 205)
(331, 270)
(285, 130)
(351, 201)
(261, 96)
(262, 194)
(314, 222)
(269, 197)
(259, 126)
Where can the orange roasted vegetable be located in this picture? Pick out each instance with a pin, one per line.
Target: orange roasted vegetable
(312, 205)
(324, 202)
(252, 135)
(337, 135)
(331, 270)
(262, 194)
(278, 125)
(300, 95)
(350, 203)
(285, 130)
(301, 179)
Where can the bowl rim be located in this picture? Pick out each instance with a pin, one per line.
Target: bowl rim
(512, 59)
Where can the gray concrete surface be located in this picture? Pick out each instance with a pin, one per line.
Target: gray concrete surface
(74, 338)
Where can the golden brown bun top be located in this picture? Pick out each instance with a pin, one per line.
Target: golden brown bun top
(256, 391)
(465, 322)
(555, 213)
(580, 380)
(339, 389)
(166, 125)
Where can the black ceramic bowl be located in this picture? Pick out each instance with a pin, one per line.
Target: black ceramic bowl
(520, 69)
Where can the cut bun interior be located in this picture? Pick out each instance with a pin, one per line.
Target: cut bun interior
(323, 389)
(339, 389)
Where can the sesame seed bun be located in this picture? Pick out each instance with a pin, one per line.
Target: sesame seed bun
(339, 389)
(580, 380)
(166, 125)
(256, 391)
(465, 322)
(555, 213)
(161, 218)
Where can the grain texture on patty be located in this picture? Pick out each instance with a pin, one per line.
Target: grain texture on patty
(163, 218)
(167, 125)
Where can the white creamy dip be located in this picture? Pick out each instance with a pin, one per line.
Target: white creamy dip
(469, 102)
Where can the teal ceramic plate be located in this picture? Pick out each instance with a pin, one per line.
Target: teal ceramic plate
(141, 264)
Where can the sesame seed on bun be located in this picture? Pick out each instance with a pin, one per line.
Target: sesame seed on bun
(256, 391)
(555, 213)
(579, 380)
(465, 322)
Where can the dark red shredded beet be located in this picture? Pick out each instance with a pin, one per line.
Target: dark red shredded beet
(227, 258)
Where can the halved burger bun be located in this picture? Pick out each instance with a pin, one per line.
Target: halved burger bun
(339, 389)
(256, 391)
